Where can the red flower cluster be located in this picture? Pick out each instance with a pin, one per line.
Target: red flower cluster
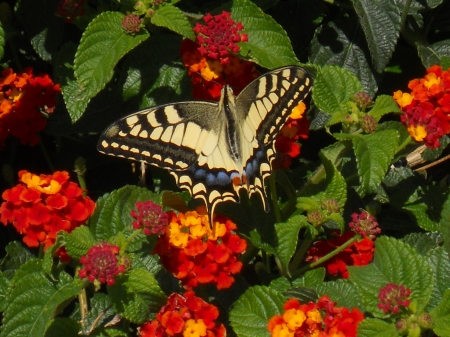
(131, 23)
(150, 217)
(41, 206)
(427, 108)
(365, 225)
(321, 319)
(184, 316)
(70, 9)
(357, 254)
(296, 127)
(208, 76)
(218, 38)
(392, 297)
(101, 263)
(195, 254)
(23, 98)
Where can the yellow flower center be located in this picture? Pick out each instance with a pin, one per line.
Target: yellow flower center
(282, 330)
(431, 79)
(34, 181)
(402, 99)
(298, 111)
(417, 132)
(194, 328)
(294, 318)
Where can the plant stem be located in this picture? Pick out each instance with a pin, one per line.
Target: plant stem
(273, 194)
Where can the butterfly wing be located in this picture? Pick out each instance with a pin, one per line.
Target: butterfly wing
(262, 108)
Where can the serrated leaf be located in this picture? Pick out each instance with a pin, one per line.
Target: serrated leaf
(383, 105)
(304, 295)
(34, 299)
(404, 137)
(256, 240)
(374, 153)
(434, 53)
(136, 295)
(100, 312)
(372, 327)
(253, 309)
(342, 292)
(441, 316)
(268, 44)
(433, 154)
(380, 21)
(44, 28)
(333, 88)
(423, 242)
(336, 185)
(287, 235)
(103, 44)
(79, 241)
(342, 43)
(394, 262)
(4, 286)
(63, 326)
(16, 256)
(439, 261)
(311, 278)
(173, 18)
(112, 211)
(2, 41)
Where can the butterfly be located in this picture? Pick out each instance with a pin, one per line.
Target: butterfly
(214, 149)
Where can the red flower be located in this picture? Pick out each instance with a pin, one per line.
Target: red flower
(24, 97)
(357, 254)
(182, 315)
(393, 297)
(195, 254)
(150, 217)
(365, 225)
(41, 206)
(70, 9)
(101, 263)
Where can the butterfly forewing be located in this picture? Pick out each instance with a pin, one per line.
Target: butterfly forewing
(192, 139)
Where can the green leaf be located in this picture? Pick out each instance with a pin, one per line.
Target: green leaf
(333, 88)
(174, 19)
(404, 137)
(112, 211)
(423, 242)
(342, 292)
(380, 21)
(44, 28)
(304, 295)
(336, 185)
(383, 105)
(63, 326)
(79, 241)
(100, 312)
(287, 235)
(136, 295)
(34, 300)
(4, 286)
(434, 53)
(372, 327)
(256, 240)
(342, 43)
(441, 316)
(374, 153)
(439, 261)
(268, 44)
(2, 41)
(253, 309)
(311, 278)
(16, 256)
(102, 45)
(394, 262)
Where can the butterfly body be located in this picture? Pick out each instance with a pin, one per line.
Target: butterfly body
(213, 149)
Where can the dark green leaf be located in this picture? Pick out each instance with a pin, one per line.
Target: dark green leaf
(253, 309)
(439, 261)
(174, 19)
(79, 241)
(268, 44)
(383, 105)
(102, 45)
(441, 316)
(380, 21)
(311, 278)
(433, 54)
(16, 256)
(34, 299)
(342, 43)
(4, 285)
(342, 292)
(304, 295)
(423, 242)
(100, 312)
(63, 326)
(2, 42)
(372, 327)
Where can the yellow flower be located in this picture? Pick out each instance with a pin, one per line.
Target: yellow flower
(298, 111)
(176, 236)
(294, 318)
(16, 94)
(212, 70)
(197, 231)
(282, 330)
(194, 328)
(417, 132)
(314, 316)
(431, 79)
(34, 181)
(402, 99)
(219, 230)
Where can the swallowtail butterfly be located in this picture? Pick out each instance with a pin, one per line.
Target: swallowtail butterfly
(213, 149)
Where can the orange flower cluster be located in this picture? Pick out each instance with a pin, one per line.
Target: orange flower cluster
(357, 254)
(184, 316)
(427, 108)
(23, 98)
(41, 206)
(321, 319)
(195, 254)
(296, 127)
(208, 75)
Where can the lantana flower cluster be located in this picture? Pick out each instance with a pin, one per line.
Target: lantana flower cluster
(150, 217)
(393, 297)
(427, 108)
(357, 254)
(101, 263)
(184, 316)
(23, 99)
(321, 319)
(69, 10)
(195, 254)
(42, 205)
